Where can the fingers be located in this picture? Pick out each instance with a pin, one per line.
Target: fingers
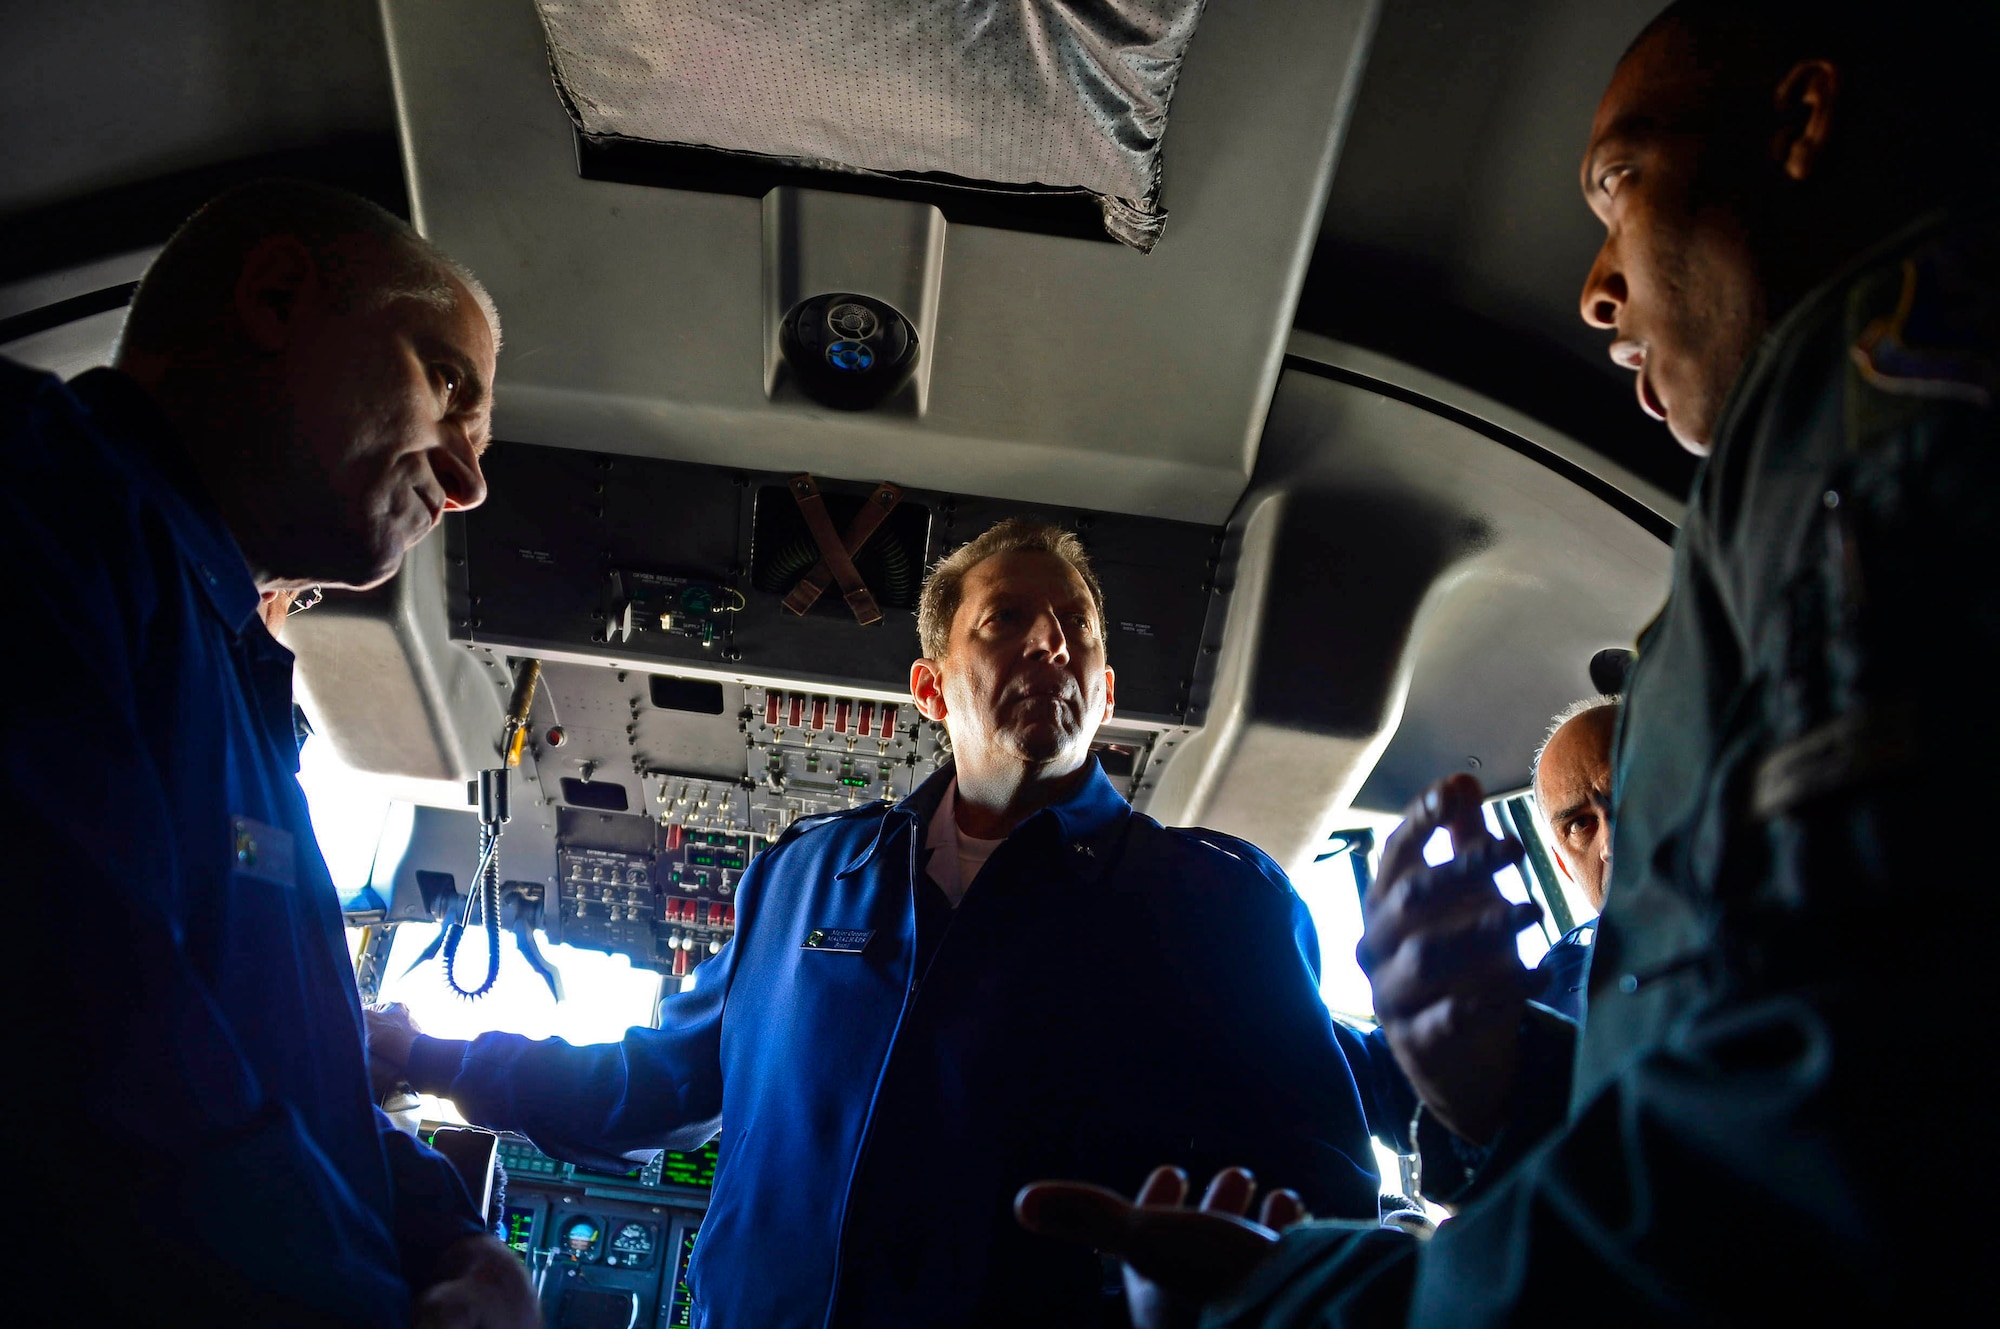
(1478, 965)
(1282, 1208)
(1230, 1192)
(1075, 1211)
(1166, 1187)
(1198, 1253)
(1442, 805)
(1465, 816)
(1452, 896)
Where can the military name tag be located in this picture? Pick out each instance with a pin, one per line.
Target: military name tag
(839, 941)
(263, 852)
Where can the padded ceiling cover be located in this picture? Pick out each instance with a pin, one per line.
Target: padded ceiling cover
(1010, 92)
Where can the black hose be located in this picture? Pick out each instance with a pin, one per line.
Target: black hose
(486, 894)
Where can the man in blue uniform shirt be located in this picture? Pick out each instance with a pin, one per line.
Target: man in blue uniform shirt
(1572, 783)
(1009, 975)
(300, 392)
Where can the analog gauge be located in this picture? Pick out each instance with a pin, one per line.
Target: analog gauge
(580, 1240)
(632, 1245)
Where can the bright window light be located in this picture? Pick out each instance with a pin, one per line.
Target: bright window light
(363, 832)
(353, 816)
(603, 994)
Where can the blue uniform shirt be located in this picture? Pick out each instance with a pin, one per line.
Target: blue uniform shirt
(196, 1043)
(1109, 996)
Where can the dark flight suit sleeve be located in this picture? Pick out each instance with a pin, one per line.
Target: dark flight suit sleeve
(1750, 1161)
(161, 1111)
(595, 1103)
(433, 1209)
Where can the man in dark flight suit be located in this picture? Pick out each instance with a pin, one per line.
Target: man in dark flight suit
(1803, 264)
(299, 393)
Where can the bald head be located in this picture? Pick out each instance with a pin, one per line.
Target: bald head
(329, 373)
(365, 255)
(1573, 790)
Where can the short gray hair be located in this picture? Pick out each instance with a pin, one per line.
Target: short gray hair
(944, 588)
(1602, 701)
(183, 298)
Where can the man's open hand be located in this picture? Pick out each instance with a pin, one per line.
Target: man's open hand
(1176, 1258)
(1438, 946)
(484, 1287)
(391, 1031)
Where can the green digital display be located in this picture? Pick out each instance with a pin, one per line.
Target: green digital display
(695, 1169)
(521, 1228)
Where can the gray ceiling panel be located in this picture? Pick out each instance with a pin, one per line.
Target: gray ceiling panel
(634, 319)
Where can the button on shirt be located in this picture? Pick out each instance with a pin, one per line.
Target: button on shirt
(194, 1043)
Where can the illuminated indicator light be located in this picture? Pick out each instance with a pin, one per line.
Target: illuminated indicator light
(867, 717)
(702, 860)
(855, 781)
(840, 709)
(772, 700)
(851, 356)
(798, 709)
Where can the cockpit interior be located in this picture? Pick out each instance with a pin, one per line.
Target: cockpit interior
(788, 318)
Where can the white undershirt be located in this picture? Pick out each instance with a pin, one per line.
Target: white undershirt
(956, 857)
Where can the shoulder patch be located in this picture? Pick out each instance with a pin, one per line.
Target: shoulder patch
(1937, 343)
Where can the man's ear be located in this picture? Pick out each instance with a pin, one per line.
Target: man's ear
(1805, 103)
(927, 688)
(1110, 692)
(278, 279)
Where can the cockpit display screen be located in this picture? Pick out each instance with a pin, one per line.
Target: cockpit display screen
(696, 1169)
(635, 1174)
(680, 1314)
(521, 1228)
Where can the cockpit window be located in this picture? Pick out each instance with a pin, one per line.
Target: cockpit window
(1331, 894)
(363, 831)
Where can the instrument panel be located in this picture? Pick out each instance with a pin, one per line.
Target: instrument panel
(606, 1248)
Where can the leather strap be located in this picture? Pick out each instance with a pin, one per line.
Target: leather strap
(837, 553)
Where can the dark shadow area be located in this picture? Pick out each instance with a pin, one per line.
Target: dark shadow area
(146, 212)
(1389, 303)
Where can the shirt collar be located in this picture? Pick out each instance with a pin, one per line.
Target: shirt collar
(129, 420)
(1088, 822)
